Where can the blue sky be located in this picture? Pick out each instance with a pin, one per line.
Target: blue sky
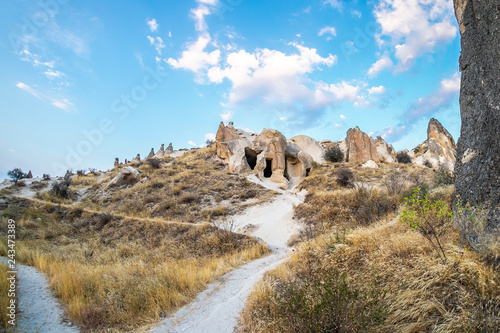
(84, 82)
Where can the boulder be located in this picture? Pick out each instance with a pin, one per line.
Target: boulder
(298, 163)
(151, 154)
(370, 164)
(439, 149)
(477, 169)
(359, 147)
(127, 175)
(310, 146)
(160, 152)
(169, 150)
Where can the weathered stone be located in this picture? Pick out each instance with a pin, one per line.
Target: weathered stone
(439, 149)
(117, 162)
(160, 152)
(310, 146)
(151, 154)
(370, 164)
(271, 163)
(298, 163)
(137, 158)
(385, 151)
(477, 169)
(169, 150)
(359, 147)
(29, 175)
(127, 175)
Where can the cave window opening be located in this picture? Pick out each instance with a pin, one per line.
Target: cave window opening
(251, 158)
(308, 170)
(268, 171)
(287, 176)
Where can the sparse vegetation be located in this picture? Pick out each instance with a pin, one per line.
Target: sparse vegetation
(80, 173)
(4, 298)
(403, 157)
(394, 182)
(444, 177)
(334, 154)
(154, 163)
(93, 259)
(345, 177)
(60, 189)
(16, 174)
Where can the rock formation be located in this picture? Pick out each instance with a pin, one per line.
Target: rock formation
(160, 152)
(29, 175)
(137, 158)
(439, 149)
(359, 147)
(385, 151)
(127, 175)
(267, 155)
(477, 171)
(310, 146)
(169, 149)
(117, 162)
(151, 154)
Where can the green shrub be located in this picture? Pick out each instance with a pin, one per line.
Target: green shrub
(333, 154)
(16, 174)
(443, 178)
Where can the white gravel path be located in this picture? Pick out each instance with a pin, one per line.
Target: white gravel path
(217, 309)
(38, 309)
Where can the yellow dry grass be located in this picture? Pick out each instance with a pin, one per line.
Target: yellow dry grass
(119, 273)
(4, 298)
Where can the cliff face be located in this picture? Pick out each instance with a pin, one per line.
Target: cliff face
(477, 168)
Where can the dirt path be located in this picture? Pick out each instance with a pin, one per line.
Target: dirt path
(217, 309)
(38, 308)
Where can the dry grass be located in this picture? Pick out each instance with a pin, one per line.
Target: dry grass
(121, 273)
(4, 297)
(416, 291)
(194, 187)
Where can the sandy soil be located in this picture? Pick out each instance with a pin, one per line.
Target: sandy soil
(38, 309)
(217, 309)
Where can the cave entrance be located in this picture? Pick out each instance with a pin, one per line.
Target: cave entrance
(268, 171)
(251, 157)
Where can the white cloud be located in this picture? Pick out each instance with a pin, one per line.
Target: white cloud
(138, 56)
(415, 27)
(272, 76)
(192, 143)
(153, 26)
(63, 104)
(28, 89)
(52, 74)
(425, 106)
(356, 13)
(334, 3)
(376, 90)
(209, 2)
(194, 58)
(343, 91)
(327, 30)
(342, 116)
(381, 64)
(198, 14)
(226, 115)
(210, 136)
(157, 42)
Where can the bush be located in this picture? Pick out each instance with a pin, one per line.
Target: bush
(330, 304)
(333, 154)
(345, 177)
(93, 171)
(154, 163)
(80, 173)
(444, 177)
(16, 174)
(403, 157)
(394, 182)
(61, 188)
(46, 176)
(428, 164)
(426, 217)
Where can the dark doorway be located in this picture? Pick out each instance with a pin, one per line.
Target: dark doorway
(268, 171)
(251, 157)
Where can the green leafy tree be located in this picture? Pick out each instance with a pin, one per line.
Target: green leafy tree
(16, 174)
